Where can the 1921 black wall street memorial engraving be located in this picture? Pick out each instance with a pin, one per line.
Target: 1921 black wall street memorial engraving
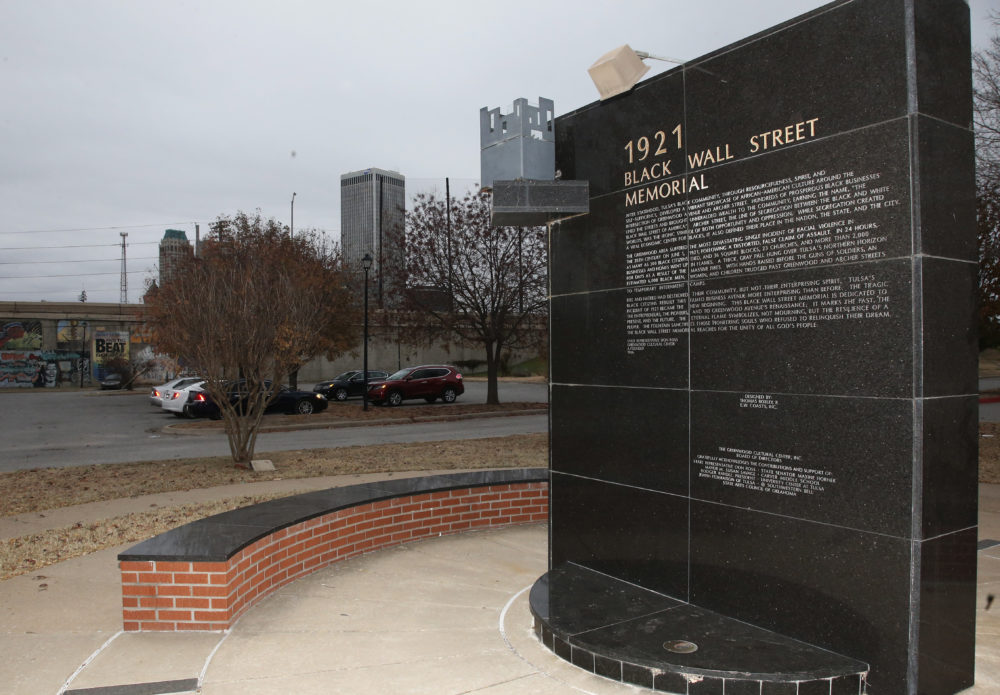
(763, 351)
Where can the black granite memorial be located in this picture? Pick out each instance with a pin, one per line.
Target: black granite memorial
(763, 365)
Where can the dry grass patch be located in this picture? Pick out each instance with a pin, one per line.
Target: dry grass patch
(989, 362)
(51, 488)
(989, 452)
(32, 552)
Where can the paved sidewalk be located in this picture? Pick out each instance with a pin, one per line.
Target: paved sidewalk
(443, 616)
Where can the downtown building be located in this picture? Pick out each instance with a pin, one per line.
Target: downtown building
(372, 219)
(174, 249)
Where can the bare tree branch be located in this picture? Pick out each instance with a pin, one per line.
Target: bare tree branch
(986, 115)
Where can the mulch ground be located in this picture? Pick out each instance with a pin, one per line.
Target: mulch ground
(989, 452)
(49, 488)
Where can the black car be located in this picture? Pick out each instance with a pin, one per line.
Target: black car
(287, 400)
(111, 382)
(348, 384)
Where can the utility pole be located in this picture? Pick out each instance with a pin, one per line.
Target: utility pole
(520, 273)
(447, 211)
(293, 378)
(124, 294)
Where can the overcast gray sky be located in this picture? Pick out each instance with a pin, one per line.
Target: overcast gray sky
(138, 116)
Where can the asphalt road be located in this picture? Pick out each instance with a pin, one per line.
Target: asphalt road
(74, 428)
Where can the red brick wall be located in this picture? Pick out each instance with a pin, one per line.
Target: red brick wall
(162, 595)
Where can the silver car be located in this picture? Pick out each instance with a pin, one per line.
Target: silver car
(175, 400)
(156, 395)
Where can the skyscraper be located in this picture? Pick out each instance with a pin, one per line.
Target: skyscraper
(372, 210)
(173, 248)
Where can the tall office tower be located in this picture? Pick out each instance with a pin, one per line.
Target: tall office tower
(173, 248)
(372, 212)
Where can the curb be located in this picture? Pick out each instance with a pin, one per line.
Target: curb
(181, 430)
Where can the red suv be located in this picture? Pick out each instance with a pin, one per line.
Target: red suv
(429, 381)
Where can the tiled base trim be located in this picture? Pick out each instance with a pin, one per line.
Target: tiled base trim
(171, 595)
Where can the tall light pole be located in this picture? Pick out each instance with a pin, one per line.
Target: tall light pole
(366, 262)
(123, 299)
(293, 378)
(447, 210)
(520, 273)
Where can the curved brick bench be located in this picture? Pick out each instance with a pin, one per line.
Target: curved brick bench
(204, 575)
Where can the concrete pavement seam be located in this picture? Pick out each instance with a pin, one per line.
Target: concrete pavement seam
(503, 616)
(86, 663)
(519, 655)
(211, 655)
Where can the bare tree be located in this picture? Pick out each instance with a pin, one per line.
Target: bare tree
(986, 107)
(480, 284)
(129, 368)
(988, 223)
(986, 111)
(256, 304)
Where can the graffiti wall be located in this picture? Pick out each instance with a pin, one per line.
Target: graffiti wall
(20, 335)
(46, 344)
(42, 368)
(107, 346)
(72, 334)
(154, 366)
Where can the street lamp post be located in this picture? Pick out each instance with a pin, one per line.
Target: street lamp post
(367, 263)
(293, 378)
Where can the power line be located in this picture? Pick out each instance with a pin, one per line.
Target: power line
(80, 260)
(77, 246)
(75, 293)
(98, 229)
(70, 275)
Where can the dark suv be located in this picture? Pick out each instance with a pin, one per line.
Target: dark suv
(429, 381)
(351, 383)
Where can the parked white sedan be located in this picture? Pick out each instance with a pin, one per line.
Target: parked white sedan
(175, 400)
(156, 395)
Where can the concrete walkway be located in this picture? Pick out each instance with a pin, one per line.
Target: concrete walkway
(443, 616)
